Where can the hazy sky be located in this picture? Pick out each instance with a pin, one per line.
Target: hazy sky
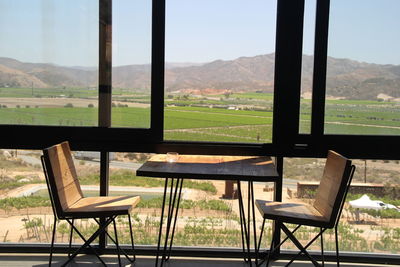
(65, 32)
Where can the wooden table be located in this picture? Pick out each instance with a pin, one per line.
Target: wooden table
(238, 168)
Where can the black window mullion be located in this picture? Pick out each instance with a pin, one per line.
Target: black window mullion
(157, 69)
(288, 58)
(287, 90)
(319, 75)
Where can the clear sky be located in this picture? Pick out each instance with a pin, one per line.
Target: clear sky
(65, 32)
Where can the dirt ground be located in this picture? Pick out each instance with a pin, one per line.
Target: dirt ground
(54, 102)
(13, 230)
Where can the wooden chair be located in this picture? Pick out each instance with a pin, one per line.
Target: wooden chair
(68, 202)
(323, 213)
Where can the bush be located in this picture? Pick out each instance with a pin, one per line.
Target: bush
(187, 204)
(24, 202)
(68, 105)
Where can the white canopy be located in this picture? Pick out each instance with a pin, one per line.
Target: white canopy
(365, 202)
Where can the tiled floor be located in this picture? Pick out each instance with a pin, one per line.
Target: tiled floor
(41, 260)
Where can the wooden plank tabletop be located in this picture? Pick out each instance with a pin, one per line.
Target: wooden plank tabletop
(243, 168)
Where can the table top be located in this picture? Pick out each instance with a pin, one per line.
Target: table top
(244, 168)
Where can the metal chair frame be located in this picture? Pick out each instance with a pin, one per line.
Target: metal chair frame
(70, 220)
(348, 172)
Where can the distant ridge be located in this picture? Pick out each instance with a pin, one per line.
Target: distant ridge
(345, 78)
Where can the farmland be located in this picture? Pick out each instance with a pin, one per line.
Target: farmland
(205, 218)
(239, 117)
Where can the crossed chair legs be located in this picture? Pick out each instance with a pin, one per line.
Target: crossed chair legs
(303, 249)
(102, 228)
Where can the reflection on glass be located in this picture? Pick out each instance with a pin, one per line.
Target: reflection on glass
(131, 73)
(360, 230)
(48, 62)
(362, 87)
(206, 218)
(307, 66)
(25, 207)
(219, 75)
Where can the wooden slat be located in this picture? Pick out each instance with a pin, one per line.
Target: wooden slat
(299, 213)
(68, 196)
(327, 202)
(330, 184)
(62, 164)
(64, 174)
(67, 192)
(103, 206)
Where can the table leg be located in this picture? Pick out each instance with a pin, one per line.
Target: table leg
(241, 227)
(172, 214)
(176, 215)
(161, 220)
(251, 199)
(169, 216)
(244, 224)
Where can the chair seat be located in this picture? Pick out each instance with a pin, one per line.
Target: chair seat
(297, 213)
(89, 207)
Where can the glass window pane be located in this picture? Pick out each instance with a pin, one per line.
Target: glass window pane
(131, 73)
(25, 207)
(219, 75)
(363, 93)
(49, 62)
(208, 212)
(360, 229)
(307, 66)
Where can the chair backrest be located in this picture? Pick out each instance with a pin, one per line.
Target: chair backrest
(332, 190)
(62, 181)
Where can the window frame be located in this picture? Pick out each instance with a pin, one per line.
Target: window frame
(286, 142)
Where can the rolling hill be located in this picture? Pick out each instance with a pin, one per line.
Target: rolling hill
(345, 78)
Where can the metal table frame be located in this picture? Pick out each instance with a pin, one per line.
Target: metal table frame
(176, 178)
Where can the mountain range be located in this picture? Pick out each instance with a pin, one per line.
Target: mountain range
(345, 78)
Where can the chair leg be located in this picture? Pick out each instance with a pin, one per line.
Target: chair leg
(70, 239)
(87, 242)
(260, 238)
(258, 245)
(84, 240)
(272, 248)
(52, 241)
(299, 245)
(337, 246)
(322, 248)
(116, 243)
(132, 242)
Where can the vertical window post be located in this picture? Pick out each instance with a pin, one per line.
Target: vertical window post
(288, 58)
(157, 69)
(105, 91)
(319, 75)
